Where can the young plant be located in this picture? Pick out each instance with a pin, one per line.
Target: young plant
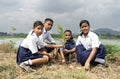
(61, 33)
(13, 29)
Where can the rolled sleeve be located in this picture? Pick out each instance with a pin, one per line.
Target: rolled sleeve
(41, 44)
(50, 39)
(95, 41)
(33, 46)
(78, 41)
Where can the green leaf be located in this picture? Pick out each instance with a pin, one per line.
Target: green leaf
(61, 33)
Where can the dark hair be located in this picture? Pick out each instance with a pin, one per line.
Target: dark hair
(37, 23)
(49, 19)
(70, 33)
(83, 21)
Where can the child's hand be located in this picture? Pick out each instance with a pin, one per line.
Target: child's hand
(50, 55)
(61, 46)
(87, 66)
(66, 51)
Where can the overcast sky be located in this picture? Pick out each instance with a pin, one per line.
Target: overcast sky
(68, 13)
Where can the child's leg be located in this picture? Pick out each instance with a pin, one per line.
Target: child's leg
(79, 53)
(90, 58)
(100, 55)
(40, 60)
(62, 56)
(55, 53)
(74, 57)
(26, 64)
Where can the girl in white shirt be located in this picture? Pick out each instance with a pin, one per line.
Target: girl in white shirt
(46, 36)
(32, 51)
(88, 47)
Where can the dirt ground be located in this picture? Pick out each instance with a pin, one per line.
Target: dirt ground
(9, 70)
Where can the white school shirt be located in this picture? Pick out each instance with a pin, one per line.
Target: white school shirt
(32, 42)
(46, 36)
(90, 41)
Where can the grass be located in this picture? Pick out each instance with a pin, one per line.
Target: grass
(10, 70)
(112, 51)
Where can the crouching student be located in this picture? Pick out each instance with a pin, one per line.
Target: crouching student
(32, 50)
(88, 48)
(46, 36)
(68, 52)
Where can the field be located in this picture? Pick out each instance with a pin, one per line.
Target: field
(10, 70)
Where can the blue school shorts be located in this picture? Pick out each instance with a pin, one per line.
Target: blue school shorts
(24, 54)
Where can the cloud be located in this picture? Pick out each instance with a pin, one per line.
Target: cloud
(59, 6)
(7, 6)
(68, 13)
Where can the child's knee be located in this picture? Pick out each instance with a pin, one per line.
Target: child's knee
(46, 58)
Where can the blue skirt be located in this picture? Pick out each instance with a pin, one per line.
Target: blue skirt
(83, 54)
(24, 54)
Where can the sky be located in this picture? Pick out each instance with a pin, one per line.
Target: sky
(67, 13)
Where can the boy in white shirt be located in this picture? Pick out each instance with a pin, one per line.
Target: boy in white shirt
(48, 24)
(46, 36)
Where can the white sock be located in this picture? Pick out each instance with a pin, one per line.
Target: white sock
(100, 60)
(28, 62)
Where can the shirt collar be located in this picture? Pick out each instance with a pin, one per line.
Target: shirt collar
(87, 34)
(44, 31)
(34, 35)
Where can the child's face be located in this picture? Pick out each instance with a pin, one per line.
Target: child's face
(85, 28)
(38, 30)
(48, 25)
(67, 36)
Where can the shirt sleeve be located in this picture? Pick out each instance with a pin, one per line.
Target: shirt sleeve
(50, 39)
(95, 41)
(32, 45)
(41, 44)
(78, 41)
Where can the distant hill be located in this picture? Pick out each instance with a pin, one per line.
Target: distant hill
(106, 31)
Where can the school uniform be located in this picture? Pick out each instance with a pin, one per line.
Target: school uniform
(46, 36)
(29, 48)
(68, 45)
(84, 47)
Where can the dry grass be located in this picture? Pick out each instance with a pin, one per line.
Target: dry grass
(9, 70)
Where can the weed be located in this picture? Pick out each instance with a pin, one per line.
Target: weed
(112, 51)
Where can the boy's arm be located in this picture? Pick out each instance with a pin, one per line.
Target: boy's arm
(54, 46)
(69, 51)
(50, 39)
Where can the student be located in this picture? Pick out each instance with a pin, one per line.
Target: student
(69, 47)
(32, 51)
(48, 23)
(88, 47)
(46, 36)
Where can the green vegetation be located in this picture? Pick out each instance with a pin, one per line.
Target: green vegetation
(10, 70)
(19, 35)
(61, 33)
(112, 51)
(8, 47)
(13, 28)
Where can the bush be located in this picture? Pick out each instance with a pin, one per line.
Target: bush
(7, 47)
(112, 51)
